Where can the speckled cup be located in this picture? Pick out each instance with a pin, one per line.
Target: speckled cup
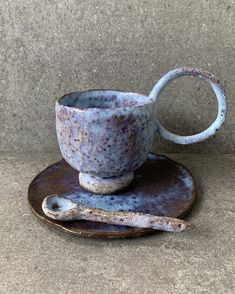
(106, 134)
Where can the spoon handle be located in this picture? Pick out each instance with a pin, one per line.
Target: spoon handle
(134, 219)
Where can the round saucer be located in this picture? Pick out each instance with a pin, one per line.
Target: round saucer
(160, 187)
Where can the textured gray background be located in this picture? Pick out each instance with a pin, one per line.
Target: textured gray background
(52, 47)
(48, 48)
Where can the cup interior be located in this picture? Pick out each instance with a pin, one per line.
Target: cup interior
(106, 99)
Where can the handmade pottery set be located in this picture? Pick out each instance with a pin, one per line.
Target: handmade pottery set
(109, 184)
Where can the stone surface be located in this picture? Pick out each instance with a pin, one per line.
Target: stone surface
(37, 259)
(49, 48)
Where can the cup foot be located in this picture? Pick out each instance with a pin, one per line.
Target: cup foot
(101, 185)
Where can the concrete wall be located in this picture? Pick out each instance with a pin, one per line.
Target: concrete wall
(52, 47)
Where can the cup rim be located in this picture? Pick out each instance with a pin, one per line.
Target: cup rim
(148, 100)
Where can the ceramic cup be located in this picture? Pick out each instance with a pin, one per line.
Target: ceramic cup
(107, 134)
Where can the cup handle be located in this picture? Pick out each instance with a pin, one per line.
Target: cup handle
(219, 93)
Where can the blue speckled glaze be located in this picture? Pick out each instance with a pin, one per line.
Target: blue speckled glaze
(160, 187)
(105, 133)
(152, 197)
(220, 95)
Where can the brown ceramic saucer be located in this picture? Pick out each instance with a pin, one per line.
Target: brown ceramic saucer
(161, 187)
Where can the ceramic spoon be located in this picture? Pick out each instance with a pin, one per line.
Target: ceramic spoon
(63, 209)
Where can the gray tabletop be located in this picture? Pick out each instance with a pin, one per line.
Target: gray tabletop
(35, 258)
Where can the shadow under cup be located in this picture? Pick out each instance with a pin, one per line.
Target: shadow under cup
(105, 135)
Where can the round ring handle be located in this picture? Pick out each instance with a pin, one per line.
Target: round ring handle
(216, 87)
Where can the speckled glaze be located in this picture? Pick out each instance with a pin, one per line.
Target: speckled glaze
(218, 91)
(62, 208)
(108, 134)
(105, 134)
(160, 187)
